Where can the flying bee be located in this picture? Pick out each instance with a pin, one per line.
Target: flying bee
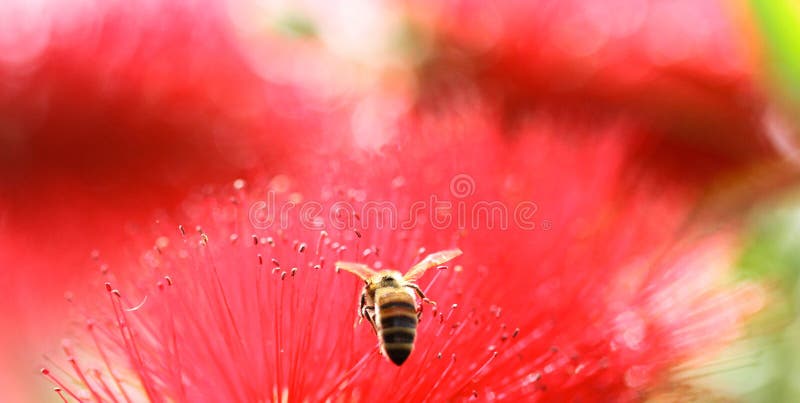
(388, 302)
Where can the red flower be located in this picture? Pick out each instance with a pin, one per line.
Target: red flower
(680, 69)
(110, 111)
(117, 111)
(571, 287)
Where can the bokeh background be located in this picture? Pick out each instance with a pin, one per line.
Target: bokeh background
(115, 112)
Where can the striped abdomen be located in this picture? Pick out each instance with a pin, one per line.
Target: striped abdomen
(396, 317)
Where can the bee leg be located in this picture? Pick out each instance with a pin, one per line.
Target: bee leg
(365, 311)
(369, 313)
(420, 293)
(362, 308)
(361, 305)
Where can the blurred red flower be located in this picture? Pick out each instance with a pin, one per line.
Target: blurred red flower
(683, 70)
(115, 110)
(110, 111)
(574, 285)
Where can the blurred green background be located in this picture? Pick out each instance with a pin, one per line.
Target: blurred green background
(764, 366)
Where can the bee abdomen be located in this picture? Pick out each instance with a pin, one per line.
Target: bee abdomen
(398, 329)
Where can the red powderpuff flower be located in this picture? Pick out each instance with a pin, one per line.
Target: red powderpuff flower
(157, 94)
(108, 111)
(680, 68)
(571, 285)
(118, 110)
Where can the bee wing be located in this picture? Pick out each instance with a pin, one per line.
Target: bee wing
(434, 259)
(359, 269)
